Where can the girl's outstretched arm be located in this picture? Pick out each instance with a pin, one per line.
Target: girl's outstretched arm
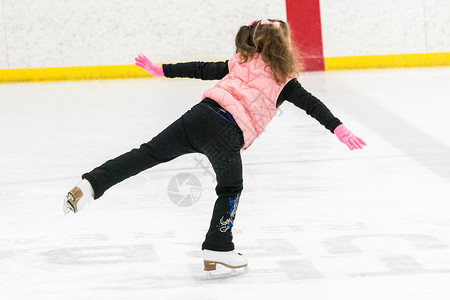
(295, 93)
(196, 69)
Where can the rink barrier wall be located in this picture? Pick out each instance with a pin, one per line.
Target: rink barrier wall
(131, 71)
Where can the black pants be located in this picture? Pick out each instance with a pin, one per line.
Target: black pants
(203, 129)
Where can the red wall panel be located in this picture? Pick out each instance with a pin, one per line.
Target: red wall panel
(303, 17)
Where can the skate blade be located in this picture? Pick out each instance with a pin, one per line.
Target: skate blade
(67, 207)
(224, 273)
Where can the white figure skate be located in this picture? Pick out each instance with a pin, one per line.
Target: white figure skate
(78, 198)
(231, 264)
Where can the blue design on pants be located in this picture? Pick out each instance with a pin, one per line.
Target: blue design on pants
(227, 223)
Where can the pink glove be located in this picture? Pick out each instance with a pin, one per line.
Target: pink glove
(347, 137)
(144, 63)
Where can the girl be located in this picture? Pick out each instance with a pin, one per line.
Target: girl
(232, 114)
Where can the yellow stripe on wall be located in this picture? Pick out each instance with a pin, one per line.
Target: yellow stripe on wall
(72, 73)
(387, 61)
(131, 71)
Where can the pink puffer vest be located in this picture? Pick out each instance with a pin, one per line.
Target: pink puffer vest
(250, 94)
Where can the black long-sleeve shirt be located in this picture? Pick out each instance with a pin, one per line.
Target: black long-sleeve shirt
(292, 92)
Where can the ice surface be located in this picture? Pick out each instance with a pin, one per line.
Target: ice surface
(315, 220)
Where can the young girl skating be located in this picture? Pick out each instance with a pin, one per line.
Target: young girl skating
(231, 115)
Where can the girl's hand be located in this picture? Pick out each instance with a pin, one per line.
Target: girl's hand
(347, 137)
(144, 63)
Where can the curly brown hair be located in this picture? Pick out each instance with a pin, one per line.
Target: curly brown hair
(274, 45)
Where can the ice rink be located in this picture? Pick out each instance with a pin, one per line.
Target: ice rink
(316, 220)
